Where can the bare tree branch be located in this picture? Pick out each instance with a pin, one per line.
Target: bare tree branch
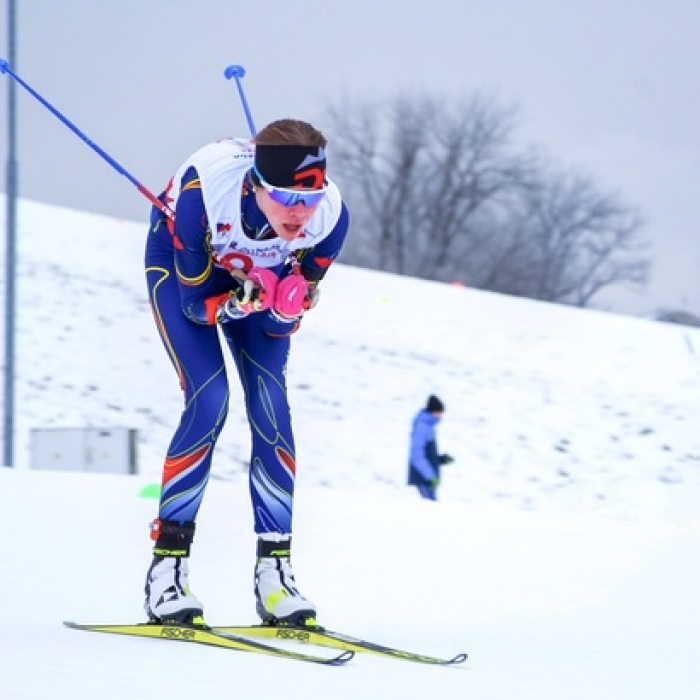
(442, 192)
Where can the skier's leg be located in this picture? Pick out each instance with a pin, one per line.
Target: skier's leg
(261, 360)
(196, 355)
(426, 491)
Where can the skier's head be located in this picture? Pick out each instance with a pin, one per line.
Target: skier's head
(290, 153)
(434, 405)
(289, 174)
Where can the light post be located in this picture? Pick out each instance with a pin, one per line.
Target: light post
(11, 252)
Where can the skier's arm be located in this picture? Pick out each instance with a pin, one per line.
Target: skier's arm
(297, 291)
(200, 299)
(316, 261)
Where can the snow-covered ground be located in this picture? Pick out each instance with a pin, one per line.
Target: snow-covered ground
(562, 555)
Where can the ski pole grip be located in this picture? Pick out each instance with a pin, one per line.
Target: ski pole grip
(234, 71)
(237, 72)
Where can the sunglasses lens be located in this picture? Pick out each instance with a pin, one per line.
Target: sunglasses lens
(289, 199)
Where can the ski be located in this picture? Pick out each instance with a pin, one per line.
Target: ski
(210, 637)
(320, 636)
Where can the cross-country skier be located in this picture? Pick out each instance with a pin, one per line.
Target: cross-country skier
(257, 224)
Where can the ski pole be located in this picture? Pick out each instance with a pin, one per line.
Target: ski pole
(5, 68)
(238, 72)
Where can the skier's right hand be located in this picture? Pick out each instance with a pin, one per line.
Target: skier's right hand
(256, 293)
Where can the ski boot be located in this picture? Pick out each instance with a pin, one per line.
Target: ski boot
(168, 595)
(278, 602)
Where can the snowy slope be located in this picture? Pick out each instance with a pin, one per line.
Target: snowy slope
(547, 406)
(548, 607)
(562, 555)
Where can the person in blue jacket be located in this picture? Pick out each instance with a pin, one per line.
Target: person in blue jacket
(424, 459)
(256, 226)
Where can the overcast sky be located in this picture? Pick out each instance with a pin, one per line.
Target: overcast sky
(608, 86)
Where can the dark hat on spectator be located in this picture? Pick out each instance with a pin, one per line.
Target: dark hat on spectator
(434, 405)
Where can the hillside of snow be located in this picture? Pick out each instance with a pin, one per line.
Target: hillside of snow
(561, 556)
(547, 406)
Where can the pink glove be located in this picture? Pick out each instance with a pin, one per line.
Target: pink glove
(290, 297)
(259, 295)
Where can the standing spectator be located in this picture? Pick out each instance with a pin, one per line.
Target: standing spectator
(424, 459)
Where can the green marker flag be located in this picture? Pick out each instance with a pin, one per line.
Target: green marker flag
(150, 491)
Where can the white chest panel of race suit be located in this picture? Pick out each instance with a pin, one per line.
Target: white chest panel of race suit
(222, 167)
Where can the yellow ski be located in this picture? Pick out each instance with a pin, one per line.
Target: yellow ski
(335, 640)
(210, 637)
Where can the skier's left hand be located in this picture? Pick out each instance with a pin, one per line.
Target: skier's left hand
(290, 297)
(446, 459)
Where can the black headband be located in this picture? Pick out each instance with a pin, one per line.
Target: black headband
(292, 166)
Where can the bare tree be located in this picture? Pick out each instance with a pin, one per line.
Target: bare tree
(442, 192)
(566, 240)
(377, 152)
(417, 175)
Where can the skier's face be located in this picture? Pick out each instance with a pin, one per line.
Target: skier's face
(287, 222)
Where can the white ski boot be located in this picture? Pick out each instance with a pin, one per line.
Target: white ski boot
(277, 597)
(168, 594)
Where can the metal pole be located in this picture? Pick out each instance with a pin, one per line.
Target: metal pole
(11, 253)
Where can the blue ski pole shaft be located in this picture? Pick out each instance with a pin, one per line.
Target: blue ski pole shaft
(5, 68)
